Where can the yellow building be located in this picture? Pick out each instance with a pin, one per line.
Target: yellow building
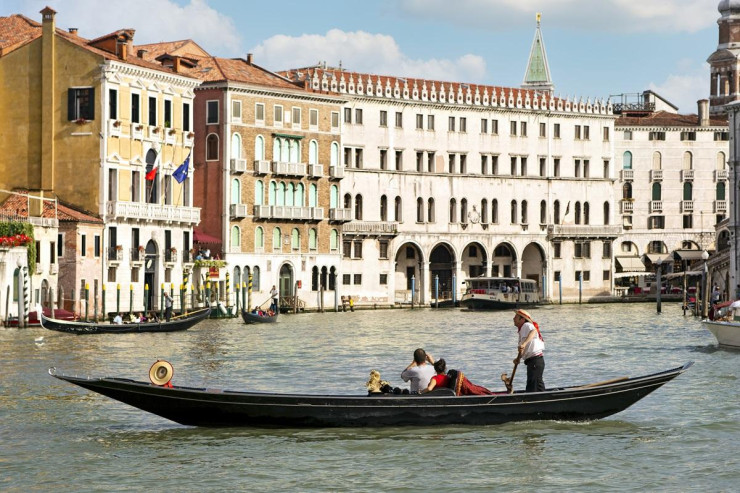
(86, 121)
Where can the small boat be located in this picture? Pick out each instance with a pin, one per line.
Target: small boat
(213, 407)
(499, 293)
(253, 318)
(726, 324)
(175, 324)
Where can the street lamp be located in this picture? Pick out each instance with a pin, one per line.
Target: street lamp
(659, 264)
(704, 257)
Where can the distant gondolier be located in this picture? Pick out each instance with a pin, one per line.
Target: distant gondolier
(167, 306)
(274, 299)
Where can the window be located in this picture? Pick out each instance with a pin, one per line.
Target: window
(236, 238)
(113, 104)
(296, 118)
(334, 120)
(577, 168)
(513, 211)
(186, 117)
(334, 240)
(383, 279)
(295, 240)
(346, 279)
(556, 130)
(357, 249)
(451, 124)
(383, 249)
(543, 130)
(627, 135)
(494, 165)
(212, 147)
(211, 112)
(484, 125)
(582, 249)
(556, 249)
(494, 211)
(577, 132)
(135, 108)
(606, 251)
(543, 212)
(494, 127)
(556, 212)
(430, 122)
(278, 115)
(606, 134)
(399, 160)
(419, 121)
(313, 118)
(398, 209)
(556, 167)
(383, 118)
(586, 170)
(688, 221)
(721, 136)
(512, 130)
(167, 113)
(357, 279)
(152, 111)
(463, 163)
(484, 164)
(586, 132)
(60, 245)
(523, 127)
(419, 161)
(453, 210)
(347, 249)
(607, 172)
(81, 103)
(358, 158)
(656, 136)
(513, 166)
(399, 119)
(384, 159)
(259, 112)
(96, 247)
(463, 124)
(358, 116)
(656, 222)
(347, 115)
(543, 166)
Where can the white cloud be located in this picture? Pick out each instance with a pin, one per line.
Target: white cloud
(685, 88)
(153, 20)
(579, 15)
(363, 52)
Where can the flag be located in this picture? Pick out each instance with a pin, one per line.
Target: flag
(153, 173)
(182, 171)
(567, 211)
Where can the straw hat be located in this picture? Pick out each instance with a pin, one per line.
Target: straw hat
(525, 315)
(161, 372)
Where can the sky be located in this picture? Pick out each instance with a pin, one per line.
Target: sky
(595, 48)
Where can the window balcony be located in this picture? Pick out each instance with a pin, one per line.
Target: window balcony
(687, 206)
(628, 206)
(261, 167)
(656, 175)
(317, 213)
(578, 231)
(720, 206)
(336, 172)
(170, 135)
(370, 228)
(154, 132)
(238, 211)
(687, 175)
(53, 269)
(188, 257)
(340, 215)
(290, 212)
(143, 211)
(137, 131)
(39, 268)
(115, 253)
(188, 139)
(114, 128)
(170, 256)
(656, 206)
(238, 165)
(721, 174)
(262, 212)
(315, 170)
(138, 254)
(288, 169)
(627, 174)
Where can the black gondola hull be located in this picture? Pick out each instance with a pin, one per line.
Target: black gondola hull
(251, 318)
(207, 407)
(175, 325)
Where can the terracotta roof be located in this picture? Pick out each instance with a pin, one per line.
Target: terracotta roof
(68, 213)
(17, 205)
(185, 47)
(16, 31)
(666, 119)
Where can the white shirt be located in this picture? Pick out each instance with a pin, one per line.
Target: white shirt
(535, 346)
(419, 376)
(117, 320)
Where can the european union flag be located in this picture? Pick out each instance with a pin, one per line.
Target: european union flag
(182, 171)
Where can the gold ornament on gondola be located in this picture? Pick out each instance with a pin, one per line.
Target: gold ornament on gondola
(161, 372)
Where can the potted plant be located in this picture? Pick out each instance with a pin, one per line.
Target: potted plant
(141, 249)
(191, 135)
(117, 123)
(139, 127)
(172, 131)
(173, 250)
(80, 121)
(155, 130)
(119, 247)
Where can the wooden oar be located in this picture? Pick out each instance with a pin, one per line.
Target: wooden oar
(605, 382)
(508, 381)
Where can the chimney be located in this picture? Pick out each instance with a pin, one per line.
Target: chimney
(73, 31)
(142, 53)
(176, 64)
(703, 105)
(249, 58)
(123, 51)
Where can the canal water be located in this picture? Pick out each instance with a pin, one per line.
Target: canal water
(683, 437)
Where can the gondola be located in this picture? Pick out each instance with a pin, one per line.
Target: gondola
(212, 407)
(175, 324)
(251, 318)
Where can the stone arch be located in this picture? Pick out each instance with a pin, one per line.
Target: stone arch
(503, 260)
(474, 259)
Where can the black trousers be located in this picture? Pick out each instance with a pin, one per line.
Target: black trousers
(168, 313)
(535, 370)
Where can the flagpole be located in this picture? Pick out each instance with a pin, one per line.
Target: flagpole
(154, 181)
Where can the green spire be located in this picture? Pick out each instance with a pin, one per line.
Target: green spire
(537, 75)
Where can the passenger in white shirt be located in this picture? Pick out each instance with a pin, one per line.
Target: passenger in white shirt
(420, 371)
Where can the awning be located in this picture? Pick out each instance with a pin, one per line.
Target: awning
(620, 275)
(687, 254)
(205, 239)
(630, 264)
(654, 257)
(690, 273)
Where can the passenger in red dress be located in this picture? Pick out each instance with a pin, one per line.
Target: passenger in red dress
(440, 380)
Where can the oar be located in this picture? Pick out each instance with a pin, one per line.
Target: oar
(508, 381)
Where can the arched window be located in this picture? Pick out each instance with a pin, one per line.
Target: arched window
(315, 279)
(259, 148)
(347, 201)
(259, 192)
(259, 239)
(256, 278)
(312, 239)
(295, 237)
(398, 210)
(276, 143)
(236, 237)
(657, 161)
(212, 147)
(577, 213)
(494, 211)
(419, 210)
(464, 211)
(290, 195)
(334, 240)
(607, 219)
(334, 197)
(430, 211)
(300, 195)
(586, 213)
(272, 196)
(236, 191)
(236, 146)
(720, 191)
(525, 212)
(313, 152)
(358, 207)
(556, 212)
(657, 191)
(721, 161)
(313, 195)
(627, 160)
(484, 211)
(688, 190)
(453, 210)
(688, 160)
(282, 188)
(543, 212)
(295, 151)
(332, 278)
(513, 211)
(383, 208)
(334, 158)
(277, 240)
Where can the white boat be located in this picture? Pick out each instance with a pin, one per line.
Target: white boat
(726, 326)
(499, 293)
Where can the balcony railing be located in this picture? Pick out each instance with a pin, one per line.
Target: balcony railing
(114, 128)
(262, 212)
(720, 206)
(144, 211)
(687, 206)
(238, 165)
(137, 255)
(368, 227)
(290, 212)
(238, 211)
(721, 174)
(627, 174)
(628, 206)
(261, 167)
(340, 215)
(317, 213)
(315, 170)
(187, 257)
(656, 206)
(115, 253)
(137, 131)
(656, 174)
(170, 256)
(288, 169)
(170, 135)
(583, 231)
(687, 175)
(336, 172)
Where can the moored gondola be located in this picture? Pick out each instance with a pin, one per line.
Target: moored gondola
(253, 318)
(214, 407)
(174, 325)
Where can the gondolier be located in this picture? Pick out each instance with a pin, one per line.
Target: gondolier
(531, 350)
(274, 299)
(167, 306)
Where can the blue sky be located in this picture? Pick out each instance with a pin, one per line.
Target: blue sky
(596, 48)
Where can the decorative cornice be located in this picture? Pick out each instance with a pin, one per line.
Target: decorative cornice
(157, 76)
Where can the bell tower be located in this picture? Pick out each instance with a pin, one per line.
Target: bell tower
(725, 61)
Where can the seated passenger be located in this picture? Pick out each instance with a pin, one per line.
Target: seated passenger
(419, 371)
(440, 380)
